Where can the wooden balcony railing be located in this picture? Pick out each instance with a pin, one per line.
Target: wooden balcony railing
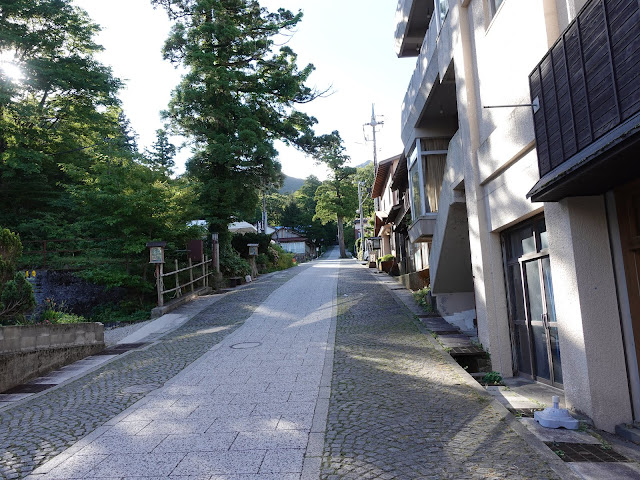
(588, 84)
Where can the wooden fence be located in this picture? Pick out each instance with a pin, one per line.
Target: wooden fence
(198, 272)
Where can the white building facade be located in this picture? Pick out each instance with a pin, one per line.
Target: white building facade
(521, 133)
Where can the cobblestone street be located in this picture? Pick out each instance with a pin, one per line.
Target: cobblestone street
(399, 410)
(254, 388)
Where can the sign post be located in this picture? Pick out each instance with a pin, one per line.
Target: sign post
(156, 256)
(253, 253)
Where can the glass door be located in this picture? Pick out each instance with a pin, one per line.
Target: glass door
(534, 329)
(541, 321)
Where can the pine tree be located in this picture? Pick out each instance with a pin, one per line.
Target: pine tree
(162, 153)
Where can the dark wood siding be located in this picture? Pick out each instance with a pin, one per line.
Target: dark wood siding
(589, 82)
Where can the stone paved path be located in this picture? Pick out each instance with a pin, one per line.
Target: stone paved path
(39, 429)
(246, 389)
(399, 410)
(243, 410)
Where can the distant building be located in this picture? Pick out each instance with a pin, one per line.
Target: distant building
(293, 242)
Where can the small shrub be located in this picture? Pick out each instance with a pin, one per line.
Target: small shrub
(124, 312)
(423, 298)
(492, 378)
(16, 299)
(386, 258)
(284, 259)
(232, 264)
(115, 277)
(56, 314)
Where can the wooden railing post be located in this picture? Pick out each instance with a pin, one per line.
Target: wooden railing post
(204, 277)
(178, 292)
(191, 273)
(159, 283)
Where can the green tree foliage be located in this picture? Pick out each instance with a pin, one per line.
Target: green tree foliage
(162, 153)
(62, 104)
(366, 175)
(238, 97)
(16, 294)
(337, 197)
(69, 161)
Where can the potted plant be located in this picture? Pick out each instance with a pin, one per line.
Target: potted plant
(386, 262)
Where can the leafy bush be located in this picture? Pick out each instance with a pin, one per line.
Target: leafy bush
(232, 264)
(262, 259)
(112, 277)
(492, 378)
(239, 242)
(386, 258)
(123, 312)
(281, 259)
(423, 298)
(16, 299)
(16, 293)
(57, 314)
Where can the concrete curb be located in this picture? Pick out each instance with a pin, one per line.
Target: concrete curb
(555, 463)
(312, 463)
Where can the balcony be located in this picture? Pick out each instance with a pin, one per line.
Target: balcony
(412, 19)
(588, 124)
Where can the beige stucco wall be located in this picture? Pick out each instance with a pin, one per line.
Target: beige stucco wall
(591, 348)
(492, 60)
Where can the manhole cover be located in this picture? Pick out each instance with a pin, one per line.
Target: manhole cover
(145, 388)
(30, 388)
(585, 452)
(246, 345)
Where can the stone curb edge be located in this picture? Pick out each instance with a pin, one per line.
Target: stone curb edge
(312, 463)
(555, 462)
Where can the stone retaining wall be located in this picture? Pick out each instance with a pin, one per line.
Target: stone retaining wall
(29, 351)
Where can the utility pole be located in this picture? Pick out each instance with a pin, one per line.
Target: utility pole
(373, 124)
(360, 185)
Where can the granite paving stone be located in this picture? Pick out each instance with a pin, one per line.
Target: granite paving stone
(40, 428)
(228, 411)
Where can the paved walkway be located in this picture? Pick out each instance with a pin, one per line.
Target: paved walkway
(315, 372)
(401, 410)
(244, 409)
(39, 428)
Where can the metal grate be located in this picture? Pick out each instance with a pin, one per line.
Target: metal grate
(585, 452)
(523, 412)
(471, 350)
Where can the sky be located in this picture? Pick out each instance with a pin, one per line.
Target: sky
(350, 43)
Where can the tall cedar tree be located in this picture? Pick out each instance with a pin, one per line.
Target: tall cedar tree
(162, 153)
(337, 197)
(238, 97)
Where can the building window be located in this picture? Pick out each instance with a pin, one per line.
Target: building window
(494, 5)
(442, 8)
